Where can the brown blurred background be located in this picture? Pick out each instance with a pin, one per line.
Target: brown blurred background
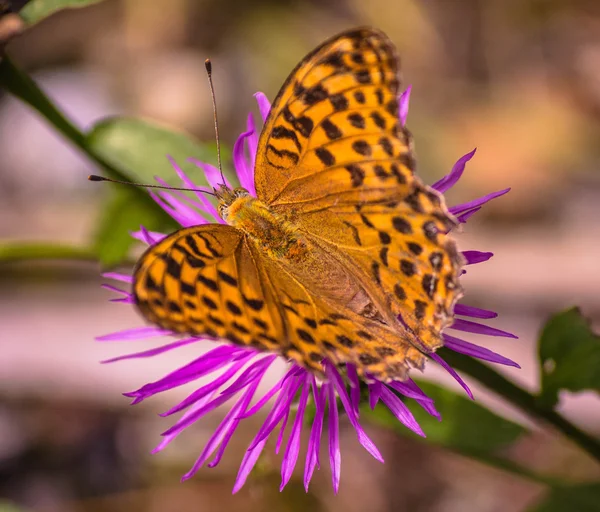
(519, 79)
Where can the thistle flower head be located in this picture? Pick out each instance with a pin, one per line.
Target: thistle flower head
(235, 372)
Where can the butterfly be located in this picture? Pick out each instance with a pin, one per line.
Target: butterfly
(343, 254)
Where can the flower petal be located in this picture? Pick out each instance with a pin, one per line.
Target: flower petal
(293, 447)
(192, 216)
(461, 208)
(154, 351)
(409, 391)
(203, 391)
(470, 349)
(335, 456)
(203, 365)
(354, 387)
(248, 462)
(403, 102)
(115, 289)
(264, 105)
(180, 218)
(199, 210)
(335, 379)
(212, 174)
(473, 257)
(197, 189)
(422, 399)
(289, 391)
(252, 147)
(147, 237)
(245, 401)
(477, 328)
(258, 405)
(286, 417)
(117, 276)
(125, 300)
(314, 440)
(448, 181)
(465, 216)
(241, 164)
(374, 393)
(229, 424)
(258, 443)
(166, 439)
(464, 310)
(451, 371)
(398, 409)
(137, 333)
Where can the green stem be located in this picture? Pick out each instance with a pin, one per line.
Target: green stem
(44, 251)
(23, 87)
(512, 467)
(525, 401)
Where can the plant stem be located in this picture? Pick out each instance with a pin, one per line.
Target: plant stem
(44, 251)
(23, 87)
(524, 400)
(512, 467)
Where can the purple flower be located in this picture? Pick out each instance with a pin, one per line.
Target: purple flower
(236, 372)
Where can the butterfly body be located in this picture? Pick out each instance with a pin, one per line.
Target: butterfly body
(276, 237)
(343, 254)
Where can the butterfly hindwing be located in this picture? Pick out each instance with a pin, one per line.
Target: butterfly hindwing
(210, 281)
(318, 325)
(401, 252)
(203, 281)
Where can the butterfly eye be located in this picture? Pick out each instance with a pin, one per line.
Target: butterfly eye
(222, 210)
(240, 192)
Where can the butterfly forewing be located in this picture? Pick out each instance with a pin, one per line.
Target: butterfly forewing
(333, 133)
(334, 158)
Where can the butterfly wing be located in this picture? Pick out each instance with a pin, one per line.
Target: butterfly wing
(210, 281)
(202, 281)
(334, 158)
(333, 133)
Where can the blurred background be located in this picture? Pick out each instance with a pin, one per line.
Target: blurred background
(518, 79)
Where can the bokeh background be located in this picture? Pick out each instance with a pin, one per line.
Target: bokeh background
(518, 79)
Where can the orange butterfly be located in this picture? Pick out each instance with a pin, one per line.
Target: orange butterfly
(343, 253)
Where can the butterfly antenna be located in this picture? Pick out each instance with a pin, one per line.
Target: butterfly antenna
(94, 177)
(208, 66)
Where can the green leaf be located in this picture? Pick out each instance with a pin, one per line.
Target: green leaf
(467, 426)
(37, 10)
(141, 148)
(528, 403)
(23, 87)
(123, 213)
(577, 498)
(569, 355)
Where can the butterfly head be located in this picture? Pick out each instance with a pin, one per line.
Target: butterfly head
(227, 197)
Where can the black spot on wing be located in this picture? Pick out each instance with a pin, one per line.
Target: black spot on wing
(357, 174)
(281, 132)
(331, 130)
(339, 102)
(208, 282)
(326, 156)
(224, 276)
(362, 147)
